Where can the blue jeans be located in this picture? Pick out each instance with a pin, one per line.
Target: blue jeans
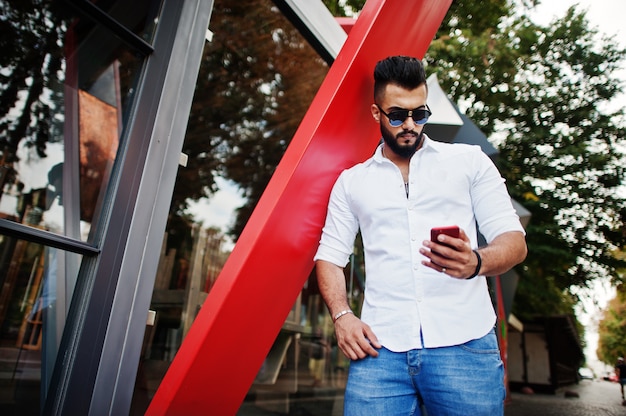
(463, 380)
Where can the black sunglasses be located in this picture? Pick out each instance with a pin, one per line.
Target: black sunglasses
(419, 115)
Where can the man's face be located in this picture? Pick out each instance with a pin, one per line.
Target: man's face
(407, 138)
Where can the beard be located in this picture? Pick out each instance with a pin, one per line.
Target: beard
(396, 143)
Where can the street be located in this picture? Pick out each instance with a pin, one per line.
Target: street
(596, 398)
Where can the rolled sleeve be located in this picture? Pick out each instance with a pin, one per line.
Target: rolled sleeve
(493, 207)
(331, 255)
(340, 229)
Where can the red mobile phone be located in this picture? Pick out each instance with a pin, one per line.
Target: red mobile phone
(451, 230)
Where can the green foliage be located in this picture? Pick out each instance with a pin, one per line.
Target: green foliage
(612, 329)
(542, 93)
(257, 79)
(564, 160)
(342, 8)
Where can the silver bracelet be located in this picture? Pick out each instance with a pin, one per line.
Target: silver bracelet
(342, 313)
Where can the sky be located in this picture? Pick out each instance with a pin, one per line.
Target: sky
(606, 16)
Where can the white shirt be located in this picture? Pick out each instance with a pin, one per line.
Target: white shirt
(449, 184)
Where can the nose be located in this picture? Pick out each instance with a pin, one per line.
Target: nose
(409, 123)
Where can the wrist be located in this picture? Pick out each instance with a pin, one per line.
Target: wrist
(478, 265)
(342, 313)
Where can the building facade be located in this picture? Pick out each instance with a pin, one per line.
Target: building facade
(96, 97)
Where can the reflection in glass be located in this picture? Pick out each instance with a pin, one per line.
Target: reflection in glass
(66, 85)
(138, 16)
(257, 79)
(33, 305)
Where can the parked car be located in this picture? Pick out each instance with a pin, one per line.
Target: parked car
(586, 373)
(610, 376)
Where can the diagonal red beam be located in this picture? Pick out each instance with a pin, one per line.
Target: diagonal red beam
(227, 343)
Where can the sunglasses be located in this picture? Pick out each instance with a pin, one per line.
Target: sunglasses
(396, 118)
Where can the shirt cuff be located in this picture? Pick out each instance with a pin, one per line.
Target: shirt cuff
(331, 255)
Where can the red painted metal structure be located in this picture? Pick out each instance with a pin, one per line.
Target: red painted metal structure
(242, 315)
(503, 336)
(346, 23)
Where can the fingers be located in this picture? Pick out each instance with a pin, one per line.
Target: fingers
(440, 258)
(359, 350)
(373, 340)
(446, 241)
(355, 338)
(448, 255)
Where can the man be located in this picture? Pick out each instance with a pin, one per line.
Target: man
(620, 372)
(426, 334)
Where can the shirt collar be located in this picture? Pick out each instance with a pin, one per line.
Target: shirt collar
(378, 154)
(430, 145)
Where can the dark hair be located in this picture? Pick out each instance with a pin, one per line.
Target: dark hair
(404, 71)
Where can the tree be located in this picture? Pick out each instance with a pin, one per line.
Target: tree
(612, 329)
(569, 167)
(31, 63)
(542, 91)
(251, 94)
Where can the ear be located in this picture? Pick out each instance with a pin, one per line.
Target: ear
(375, 112)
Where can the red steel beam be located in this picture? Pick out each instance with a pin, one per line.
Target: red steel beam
(242, 315)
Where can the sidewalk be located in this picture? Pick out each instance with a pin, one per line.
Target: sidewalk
(595, 398)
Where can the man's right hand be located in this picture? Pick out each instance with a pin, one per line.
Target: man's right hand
(355, 338)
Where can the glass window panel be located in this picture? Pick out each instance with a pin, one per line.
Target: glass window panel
(138, 16)
(67, 85)
(251, 95)
(35, 291)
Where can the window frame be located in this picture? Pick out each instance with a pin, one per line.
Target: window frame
(99, 352)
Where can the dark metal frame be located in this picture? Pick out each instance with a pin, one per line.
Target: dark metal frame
(316, 24)
(36, 235)
(93, 12)
(100, 349)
